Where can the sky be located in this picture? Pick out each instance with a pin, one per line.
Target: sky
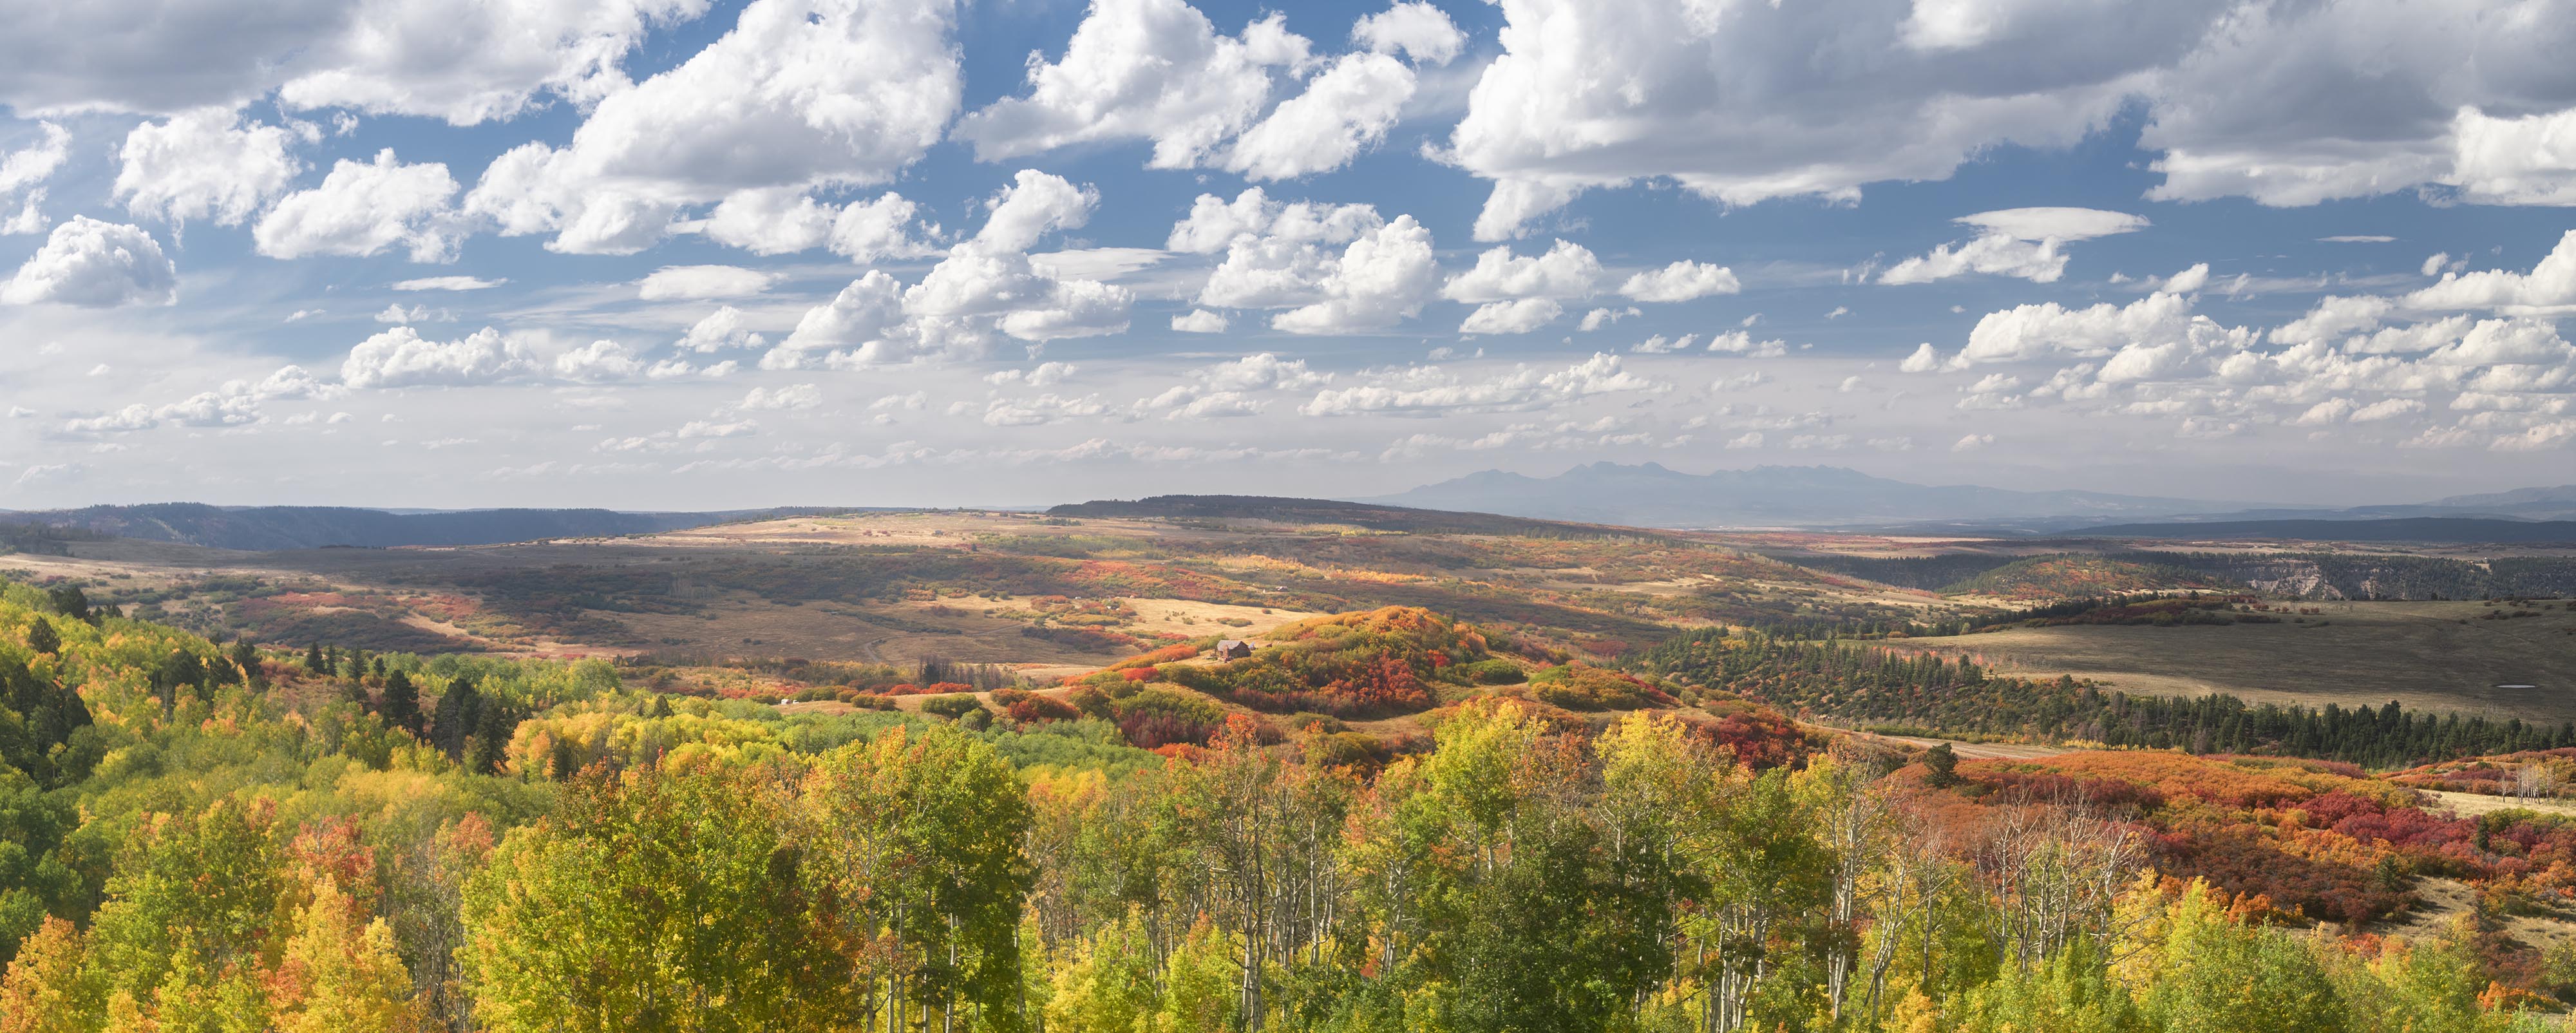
(678, 254)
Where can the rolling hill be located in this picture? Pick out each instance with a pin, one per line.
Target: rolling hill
(269, 528)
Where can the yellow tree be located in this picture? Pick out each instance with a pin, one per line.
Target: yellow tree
(339, 972)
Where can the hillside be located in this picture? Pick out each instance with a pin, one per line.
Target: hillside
(2471, 530)
(268, 528)
(1326, 511)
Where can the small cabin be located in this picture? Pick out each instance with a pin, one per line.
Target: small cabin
(1232, 649)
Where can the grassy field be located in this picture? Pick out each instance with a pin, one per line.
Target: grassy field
(2436, 656)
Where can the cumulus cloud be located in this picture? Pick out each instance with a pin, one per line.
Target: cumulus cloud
(1141, 69)
(1681, 281)
(400, 357)
(2550, 287)
(855, 325)
(599, 361)
(1344, 111)
(2018, 242)
(1925, 359)
(1972, 442)
(1739, 342)
(1511, 317)
(364, 209)
(209, 163)
(1567, 270)
(793, 396)
(693, 282)
(1416, 29)
(723, 328)
(1430, 390)
(463, 63)
(1380, 280)
(95, 264)
(1601, 317)
(21, 172)
(799, 93)
(2286, 104)
(781, 220)
(1199, 321)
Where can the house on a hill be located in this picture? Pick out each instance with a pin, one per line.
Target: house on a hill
(1232, 649)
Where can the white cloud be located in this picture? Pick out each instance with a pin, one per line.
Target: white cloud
(2334, 316)
(1738, 342)
(599, 361)
(1661, 345)
(1045, 374)
(800, 93)
(1567, 270)
(2065, 224)
(854, 324)
(1140, 69)
(1511, 317)
(2157, 321)
(1925, 359)
(1972, 442)
(24, 168)
(794, 396)
(1601, 317)
(1344, 111)
(1749, 439)
(787, 219)
(1380, 280)
(2549, 288)
(712, 429)
(208, 163)
(2386, 409)
(95, 264)
(449, 283)
(1681, 281)
(363, 209)
(723, 328)
(1035, 204)
(470, 63)
(395, 313)
(1428, 390)
(400, 357)
(701, 281)
(50, 473)
(1418, 30)
(1199, 321)
(2018, 242)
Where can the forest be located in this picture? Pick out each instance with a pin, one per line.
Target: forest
(205, 836)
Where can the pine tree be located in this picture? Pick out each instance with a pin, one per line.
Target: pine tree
(42, 638)
(460, 711)
(401, 707)
(313, 661)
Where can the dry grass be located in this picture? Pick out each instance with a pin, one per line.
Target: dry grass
(2430, 656)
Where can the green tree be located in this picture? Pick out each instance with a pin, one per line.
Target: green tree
(652, 901)
(42, 638)
(460, 712)
(401, 706)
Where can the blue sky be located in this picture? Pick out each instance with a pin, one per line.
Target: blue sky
(915, 252)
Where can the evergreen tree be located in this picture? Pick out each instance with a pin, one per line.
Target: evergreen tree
(313, 661)
(246, 657)
(460, 711)
(1943, 765)
(71, 602)
(42, 638)
(401, 706)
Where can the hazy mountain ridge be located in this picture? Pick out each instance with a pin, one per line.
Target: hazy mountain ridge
(270, 528)
(1651, 495)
